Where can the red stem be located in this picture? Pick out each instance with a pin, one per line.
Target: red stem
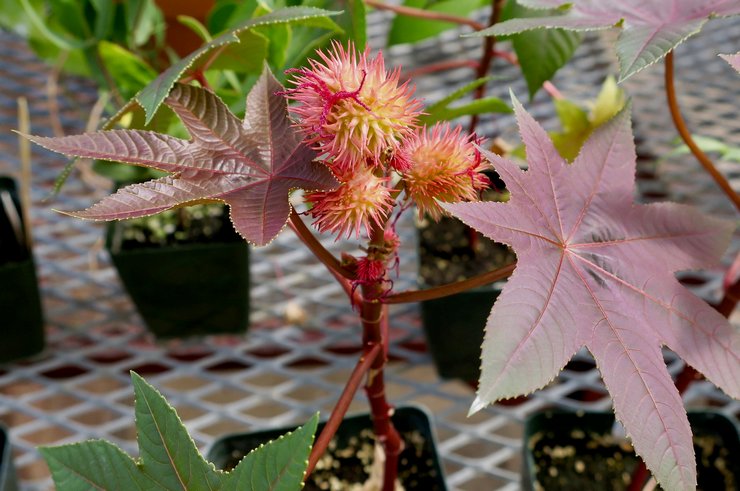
(489, 44)
(438, 67)
(374, 316)
(200, 76)
(373, 327)
(678, 121)
(426, 14)
(368, 358)
(451, 288)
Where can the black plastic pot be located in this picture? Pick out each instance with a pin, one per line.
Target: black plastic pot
(448, 252)
(22, 327)
(419, 461)
(454, 325)
(454, 328)
(188, 289)
(574, 451)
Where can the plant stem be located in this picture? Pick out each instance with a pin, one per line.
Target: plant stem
(489, 45)
(374, 317)
(24, 146)
(438, 67)
(450, 288)
(315, 246)
(52, 93)
(340, 408)
(426, 14)
(678, 121)
(374, 330)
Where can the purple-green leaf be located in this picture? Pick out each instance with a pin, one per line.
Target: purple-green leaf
(251, 165)
(596, 270)
(650, 28)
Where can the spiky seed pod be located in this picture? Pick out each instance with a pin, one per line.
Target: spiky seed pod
(358, 204)
(351, 109)
(445, 166)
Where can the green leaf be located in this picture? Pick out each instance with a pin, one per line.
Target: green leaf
(246, 56)
(60, 41)
(609, 102)
(277, 466)
(442, 111)
(407, 29)
(577, 124)
(352, 19)
(280, 36)
(143, 20)
(168, 454)
(479, 106)
(196, 26)
(129, 72)
(152, 96)
(96, 464)
(572, 118)
(227, 14)
(541, 52)
(576, 127)
(710, 145)
(104, 15)
(169, 460)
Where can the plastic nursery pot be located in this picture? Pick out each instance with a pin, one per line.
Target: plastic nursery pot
(575, 451)
(454, 325)
(22, 326)
(8, 480)
(186, 290)
(419, 466)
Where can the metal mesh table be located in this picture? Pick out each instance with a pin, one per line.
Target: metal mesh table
(280, 373)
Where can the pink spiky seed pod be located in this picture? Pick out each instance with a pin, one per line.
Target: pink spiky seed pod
(446, 166)
(359, 203)
(352, 110)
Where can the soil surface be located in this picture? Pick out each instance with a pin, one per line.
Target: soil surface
(346, 467)
(596, 461)
(348, 462)
(187, 225)
(450, 251)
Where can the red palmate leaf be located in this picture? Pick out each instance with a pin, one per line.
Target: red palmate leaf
(251, 165)
(596, 270)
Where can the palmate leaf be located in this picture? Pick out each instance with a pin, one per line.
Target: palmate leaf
(595, 270)
(170, 460)
(650, 28)
(250, 165)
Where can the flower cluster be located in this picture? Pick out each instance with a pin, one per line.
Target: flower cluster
(364, 123)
